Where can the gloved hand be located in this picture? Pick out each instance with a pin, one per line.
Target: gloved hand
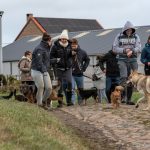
(58, 59)
(45, 74)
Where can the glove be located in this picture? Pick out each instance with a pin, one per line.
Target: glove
(45, 74)
(58, 59)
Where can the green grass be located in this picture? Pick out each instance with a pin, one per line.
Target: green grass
(136, 96)
(24, 126)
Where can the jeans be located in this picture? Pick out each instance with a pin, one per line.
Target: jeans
(124, 65)
(111, 82)
(43, 84)
(102, 95)
(79, 82)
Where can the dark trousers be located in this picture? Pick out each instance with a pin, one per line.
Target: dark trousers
(111, 82)
(147, 70)
(65, 77)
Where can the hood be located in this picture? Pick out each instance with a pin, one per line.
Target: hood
(128, 25)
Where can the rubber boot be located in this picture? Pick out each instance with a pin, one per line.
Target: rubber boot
(68, 99)
(129, 95)
(60, 103)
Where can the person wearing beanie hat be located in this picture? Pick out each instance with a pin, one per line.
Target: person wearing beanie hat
(62, 54)
(127, 46)
(64, 35)
(145, 57)
(39, 70)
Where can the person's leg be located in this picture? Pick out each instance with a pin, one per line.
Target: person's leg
(68, 78)
(134, 67)
(147, 70)
(47, 86)
(38, 80)
(108, 87)
(103, 93)
(60, 75)
(123, 66)
(73, 90)
(99, 95)
(80, 84)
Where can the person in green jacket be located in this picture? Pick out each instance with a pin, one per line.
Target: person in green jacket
(145, 57)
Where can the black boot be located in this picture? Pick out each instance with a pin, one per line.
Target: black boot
(129, 95)
(68, 99)
(60, 103)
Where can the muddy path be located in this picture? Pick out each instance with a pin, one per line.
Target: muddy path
(104, 128)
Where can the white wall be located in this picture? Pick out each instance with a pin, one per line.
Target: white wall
(15, 70)
(6, 68)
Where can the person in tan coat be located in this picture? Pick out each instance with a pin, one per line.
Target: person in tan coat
(24, 66)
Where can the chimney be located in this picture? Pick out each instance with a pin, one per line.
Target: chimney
(29, 16)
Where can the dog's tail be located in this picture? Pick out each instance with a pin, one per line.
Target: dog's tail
(148, 84)
(7, 97)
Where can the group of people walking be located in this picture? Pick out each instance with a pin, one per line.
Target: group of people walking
(69, 62)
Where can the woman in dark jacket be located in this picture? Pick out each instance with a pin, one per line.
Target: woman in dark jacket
(61, 51)
(39, 69)
(145, 57)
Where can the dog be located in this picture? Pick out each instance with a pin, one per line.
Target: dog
(54, 96)
(29, 91)
(116, 96)
(142, 84)
(85, 94)
(19, 97)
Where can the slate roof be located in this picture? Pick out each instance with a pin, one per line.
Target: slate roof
(56, 25)
(88, 40)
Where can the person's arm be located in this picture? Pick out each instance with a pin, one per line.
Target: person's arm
(86, 62)
(102, 61)
(137, 48)
(23, 67)
(143, 57)
(116, 48)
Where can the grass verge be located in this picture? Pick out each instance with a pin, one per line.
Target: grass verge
(24, 126)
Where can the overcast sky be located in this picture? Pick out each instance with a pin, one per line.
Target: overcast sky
(110, 13)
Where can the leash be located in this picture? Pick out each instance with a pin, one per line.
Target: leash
(87, 76)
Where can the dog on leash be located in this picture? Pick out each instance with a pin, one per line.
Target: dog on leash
(19, 97)
(142, 84)
(85, 94)
(116, 96)
(54, 95)
(28, 91)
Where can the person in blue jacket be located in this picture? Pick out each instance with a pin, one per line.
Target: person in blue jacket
(145, 57)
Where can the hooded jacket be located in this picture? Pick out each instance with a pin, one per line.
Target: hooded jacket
(80, 62)
(63, 54)
(123, 42)
(40, 57)
(112, 68)
(145, 55)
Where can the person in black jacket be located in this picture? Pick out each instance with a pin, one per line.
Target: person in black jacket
(61, 51)
(111, 70)
(39, 69)
(80, 63)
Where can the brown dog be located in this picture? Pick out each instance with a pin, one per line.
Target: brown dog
(116, 96)
(54, 95)
(29, 92)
